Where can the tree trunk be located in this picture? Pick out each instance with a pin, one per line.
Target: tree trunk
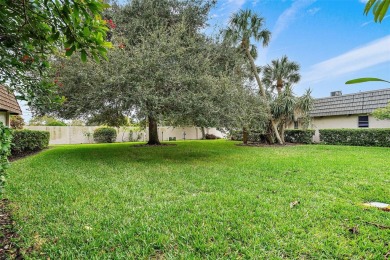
(276, 132)
(262, 92)
(203, 133)
(254, 69)
(281, 132)
(244, 135)
(153, 133)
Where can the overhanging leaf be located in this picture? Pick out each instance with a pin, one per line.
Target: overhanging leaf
(362, 80)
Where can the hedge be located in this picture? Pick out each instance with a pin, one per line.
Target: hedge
(253, 136)
(299, 136)
(104, 135)
(5, 148)
(29, 140)
(357, 137)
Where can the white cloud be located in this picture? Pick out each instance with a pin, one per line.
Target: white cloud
(286, 18)
(366, 56)
(363, 1)
(313, 11)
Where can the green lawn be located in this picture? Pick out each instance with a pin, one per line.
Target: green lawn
(201, 199)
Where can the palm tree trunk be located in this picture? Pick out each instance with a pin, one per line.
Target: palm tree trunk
(153, 133)
(254, 69)
(262, 92)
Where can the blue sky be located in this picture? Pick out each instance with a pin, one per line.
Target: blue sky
(332, 40)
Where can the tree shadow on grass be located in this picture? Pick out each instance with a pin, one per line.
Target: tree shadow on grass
(114, 153)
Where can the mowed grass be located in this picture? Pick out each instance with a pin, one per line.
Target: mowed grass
(201, 200)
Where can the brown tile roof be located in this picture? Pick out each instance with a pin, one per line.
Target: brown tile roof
(8, 102)
(357, 103)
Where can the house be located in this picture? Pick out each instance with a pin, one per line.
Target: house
(348, 111)
(8, 106)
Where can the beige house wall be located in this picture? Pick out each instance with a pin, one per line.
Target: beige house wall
(333, 122)
(3, 117)
(79, 134)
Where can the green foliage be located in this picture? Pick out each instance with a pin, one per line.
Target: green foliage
(362, 80)
(134, 136)
(379, 8)
(46, 121)
(301, 136)
(104, 135)
(253, 136)
(56, 123)
(357, 137)
(382, 113)
(17, 122)
(32, 31)
(164, 69)
(201, 200)
(29, 141)
(5, 149)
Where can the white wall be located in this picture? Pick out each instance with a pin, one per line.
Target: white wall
(330, 122)
(79, 134)
(3, 117)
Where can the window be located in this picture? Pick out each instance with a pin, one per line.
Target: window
(363, 121)
(296, 125)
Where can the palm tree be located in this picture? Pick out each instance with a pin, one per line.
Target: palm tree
(281, 72)
(243, 27)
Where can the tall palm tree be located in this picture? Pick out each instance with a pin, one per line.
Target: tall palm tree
(281, 72)
(244, 26)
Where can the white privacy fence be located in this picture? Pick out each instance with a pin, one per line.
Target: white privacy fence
(84, 134)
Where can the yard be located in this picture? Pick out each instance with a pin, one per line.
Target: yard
(201, 199)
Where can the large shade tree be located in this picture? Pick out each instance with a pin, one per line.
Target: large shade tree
(161, 69)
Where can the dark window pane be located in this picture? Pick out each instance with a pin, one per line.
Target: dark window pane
(363, 121)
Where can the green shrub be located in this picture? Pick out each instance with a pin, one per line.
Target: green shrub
(104, 135)
(56, 123)
(5, 142)
(211, 137)
(253, 136)
(299, 136)
(29, 140)
(357, 137)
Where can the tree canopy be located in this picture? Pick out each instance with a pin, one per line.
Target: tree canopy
(32, 31)
(162, 68)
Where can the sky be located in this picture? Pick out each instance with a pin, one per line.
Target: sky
(332, 40)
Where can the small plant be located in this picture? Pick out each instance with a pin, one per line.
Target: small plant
(17, 122)
(211, 136)
(5, 149)
(137, 137)
(104, 135)
(88, 135)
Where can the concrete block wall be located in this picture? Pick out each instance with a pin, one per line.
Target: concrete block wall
(83, 134)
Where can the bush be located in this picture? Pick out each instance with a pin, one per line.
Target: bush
(299, 136)
(5, 142)
(104, 135)
(253, 136)
(211, 137)
(29, 140)
(357, 137)
(56, 123)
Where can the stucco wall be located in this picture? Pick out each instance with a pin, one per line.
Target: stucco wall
(351, 121)
(3, 117)
(79, 134)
